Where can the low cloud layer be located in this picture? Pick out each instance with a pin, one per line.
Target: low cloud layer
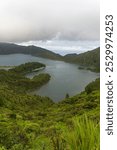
(33, 20)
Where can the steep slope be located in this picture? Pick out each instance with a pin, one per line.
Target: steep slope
(9, 48)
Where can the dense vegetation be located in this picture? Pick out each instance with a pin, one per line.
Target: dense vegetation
(31, 122)
(89, 60)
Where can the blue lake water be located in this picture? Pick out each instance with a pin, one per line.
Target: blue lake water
(65, 77)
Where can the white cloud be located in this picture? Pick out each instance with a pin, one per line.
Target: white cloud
(26, 20)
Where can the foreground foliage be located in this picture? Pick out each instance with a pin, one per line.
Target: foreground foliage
(31, 122)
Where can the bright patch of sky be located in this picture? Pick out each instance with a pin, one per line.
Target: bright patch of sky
(64, 47)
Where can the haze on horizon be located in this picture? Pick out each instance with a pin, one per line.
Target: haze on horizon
(44, 21)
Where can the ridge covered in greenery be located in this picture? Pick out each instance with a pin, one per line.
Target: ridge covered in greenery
(31, 122)
(89, 60)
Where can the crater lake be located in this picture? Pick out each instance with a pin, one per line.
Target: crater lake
(65, 77)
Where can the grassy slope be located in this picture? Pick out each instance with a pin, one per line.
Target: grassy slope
(30, 122)
(36, 123)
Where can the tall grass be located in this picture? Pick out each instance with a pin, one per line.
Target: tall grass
(85, 135)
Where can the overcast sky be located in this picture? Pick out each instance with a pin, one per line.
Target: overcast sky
(43, 20)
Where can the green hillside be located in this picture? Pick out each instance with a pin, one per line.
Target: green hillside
(31, 122)
(90, 59)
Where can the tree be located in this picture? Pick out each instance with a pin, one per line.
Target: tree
(67, 95)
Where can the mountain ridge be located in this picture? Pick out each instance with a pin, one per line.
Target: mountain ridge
(10, 48)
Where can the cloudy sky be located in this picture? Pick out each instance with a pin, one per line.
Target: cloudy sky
(48, 22)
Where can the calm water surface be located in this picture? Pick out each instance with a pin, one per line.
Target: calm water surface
(65, 77)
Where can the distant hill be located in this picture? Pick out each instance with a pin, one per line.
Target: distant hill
(9, 48)
(88, 59)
